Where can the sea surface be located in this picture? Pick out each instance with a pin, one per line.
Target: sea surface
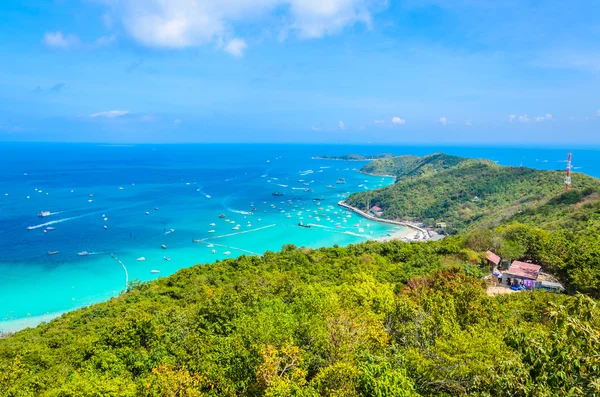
(120, 203)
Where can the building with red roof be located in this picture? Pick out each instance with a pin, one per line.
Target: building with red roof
(521, 273)
(492, 258)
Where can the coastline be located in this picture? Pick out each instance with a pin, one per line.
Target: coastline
(9, 327)
(343, 204)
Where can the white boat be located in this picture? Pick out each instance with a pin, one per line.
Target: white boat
(167, 258)
(83, 253)
(361, 230)
(210, 245)
(211, 231)
(141, 258)
(214, 251)
(44, 214)
(236, 227)
(227, 252)
(213, 224)
(89, 201)
(154, 271)
(49, 228)
(105, 227)
(121, 188)
(147, 213)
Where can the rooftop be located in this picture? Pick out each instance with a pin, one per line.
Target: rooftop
(524, 270)
(495, 259)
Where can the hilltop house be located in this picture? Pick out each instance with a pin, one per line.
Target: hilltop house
(492, 259)
(375, 210)
(521, 273)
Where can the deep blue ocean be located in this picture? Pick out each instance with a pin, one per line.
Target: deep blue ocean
(130, 200)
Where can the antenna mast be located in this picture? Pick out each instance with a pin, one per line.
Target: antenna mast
(568, 177)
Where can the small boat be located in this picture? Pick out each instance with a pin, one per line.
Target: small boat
(210, 245)
(211, 231)
(341, 181)
(278, 194)
(303, 225)
(236, 227)
(196, 241)
(227, 252)
(214, 251)
(52, 253)
(141, 258)
(212, 224)
(43, 214)
(222, 216)
(156, 209)
(169, 231)
(167, 258)
(83, 253)
(154, 271)
(105, 227)
(89, 201)
(163, 247)
(330, 187)
(147, 213)
(49, 228)
(121, 188)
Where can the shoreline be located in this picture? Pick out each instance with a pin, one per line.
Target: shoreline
(378, 175)
(343, 204)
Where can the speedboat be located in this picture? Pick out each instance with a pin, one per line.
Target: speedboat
(52, 253)
(214, 251)
(211, 231)
(236, 227)
(210, 245)
(49, 228)
(222, 216)
(212, 224)
(141, 258)
(147, 213)
(227, 252)
(154, 271)
(330, 187)
(43, 214)
(83, 253)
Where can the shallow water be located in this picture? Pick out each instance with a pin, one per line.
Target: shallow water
(190, 185)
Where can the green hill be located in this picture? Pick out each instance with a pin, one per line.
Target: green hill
(375, 319)
(405, 167)
(466, 193)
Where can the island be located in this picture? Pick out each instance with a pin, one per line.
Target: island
(355, 157)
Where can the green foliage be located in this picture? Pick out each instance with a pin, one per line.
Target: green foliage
(378, 319)
(357, 157)
(442, 188)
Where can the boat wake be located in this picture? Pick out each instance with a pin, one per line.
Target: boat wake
(282, 185)
(240, 212)
(306, 172)
(235, 234)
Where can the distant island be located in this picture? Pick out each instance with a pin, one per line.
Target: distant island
(356, 157)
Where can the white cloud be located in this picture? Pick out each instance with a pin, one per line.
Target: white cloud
(548, 116)
(539, 118)
(598, 112)
(443, 120)
(524, 118)
(398, 120)
(236, 47)
(379, 122)
(105, 40)
(177, 122)
(185, 23)
(468, 122)
(341, 124)
(59, 40)
(315, 128)
(512, 118)
(111, 114)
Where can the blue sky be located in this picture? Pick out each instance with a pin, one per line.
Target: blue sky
(415, 71)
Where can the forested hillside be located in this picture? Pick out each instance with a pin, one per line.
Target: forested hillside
(375, 319)
(464, 193)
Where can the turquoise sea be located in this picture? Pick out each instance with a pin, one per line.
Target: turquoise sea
(126, 201)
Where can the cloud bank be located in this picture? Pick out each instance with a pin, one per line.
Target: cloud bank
(188, 23)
